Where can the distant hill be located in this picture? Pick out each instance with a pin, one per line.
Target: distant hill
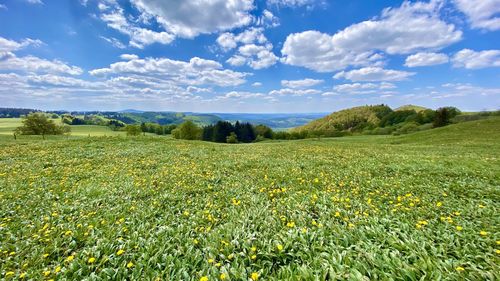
(272, 120)
(348, 119)
(411, 107)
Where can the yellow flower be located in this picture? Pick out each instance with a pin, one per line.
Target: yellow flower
(120, 252)
(70, 258)
(222, 276)
(22, 275)
(497, 251)
(253, 257)
(210, 260)
(439, 204)
(130, 264)
(204, 278)
(483, 233)
(231, 256)
(46, 273)
(290, 224)
(459, 228)
(253, 249)
(45, 255)
(58, 269)
(254, 276)
(9, 274)
(459, 268)
(68, 233)
(91, 260)
(280, 247)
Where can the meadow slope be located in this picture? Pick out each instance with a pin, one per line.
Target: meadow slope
(416, 207)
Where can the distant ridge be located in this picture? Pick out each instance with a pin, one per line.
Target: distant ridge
(131, 111)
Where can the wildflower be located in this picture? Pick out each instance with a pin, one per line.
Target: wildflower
(22, 275)
(222, 276)
(91, 260)
(130, 264)
(210, 260)
(253, 257)
(459, 228)
(290, 224)
(483, 233)
(497, 251)
(460, 269)
(254, 276)
(46, 273)
(439, 204)
(204, 278)
(231, 256)
(253, 249)
(280, 247)
(68, 233)
(57, 270)
(9, 274)
(120, 252)
(45, 255)
(70, 258)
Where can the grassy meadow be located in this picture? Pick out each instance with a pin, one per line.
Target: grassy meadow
(423, 206)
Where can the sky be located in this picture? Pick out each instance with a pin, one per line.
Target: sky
(262, 56)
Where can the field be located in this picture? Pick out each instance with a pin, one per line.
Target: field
(8, 125)
(417, 207)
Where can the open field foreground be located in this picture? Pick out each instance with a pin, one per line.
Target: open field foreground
(357, 208)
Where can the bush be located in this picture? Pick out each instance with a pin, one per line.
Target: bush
(232, 138)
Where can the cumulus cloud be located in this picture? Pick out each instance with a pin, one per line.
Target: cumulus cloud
(482, 14)
(304, 83)
(474, 60)
(35, 2)
(295, 3)
(190, 18)
(115, 18)
(374, 74)
(255, 56)
(228, 41)
(406, 29)
(9, 61)
(196, 71)
(426, 59)
(257, 84)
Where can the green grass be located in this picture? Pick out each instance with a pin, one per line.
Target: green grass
(8, 125)
(417, 207)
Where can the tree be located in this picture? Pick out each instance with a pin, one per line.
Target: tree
(442, 117)
(187, 131)
(264, 131)
(133, 130)
(232, 138)
(40, 124)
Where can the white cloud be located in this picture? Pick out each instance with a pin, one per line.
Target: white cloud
(294, 92)
(115, 42)
(190, 18)
(363, 88)
(426, 59)
(197, 71)
(257, 84)
(129, 57)
(255, 56)
(240, 95)
(374, 74)
(482, 14)
(413, 26)
(11, 62)
(296, 3)
(2, 6)
(474, 60)
(139, 37)
(228, 41)
(304, 83)
(7, 45)
(35, 1)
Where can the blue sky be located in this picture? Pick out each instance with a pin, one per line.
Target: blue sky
(248, 56)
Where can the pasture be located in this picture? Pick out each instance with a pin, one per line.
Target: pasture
(416, 207)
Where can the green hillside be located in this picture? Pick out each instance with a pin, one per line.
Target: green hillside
(348, 119)
(411, 107)
(484, 132)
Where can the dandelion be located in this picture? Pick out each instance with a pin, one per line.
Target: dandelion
(459, 228)
(460, 269)
(45, 255)
(46, 273)
(68, 233)
(70, 258)
(222, 276)
(439, 204)
(57, 270)
(483, 233)
(130, 264)
(280, 247)
(9, 274)
(253, 249)
(204, 278)
(254, 276)
(253, 257)
(91, 260)
(22, 275)
(210, 260)
(290, 224)
(120, 252)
